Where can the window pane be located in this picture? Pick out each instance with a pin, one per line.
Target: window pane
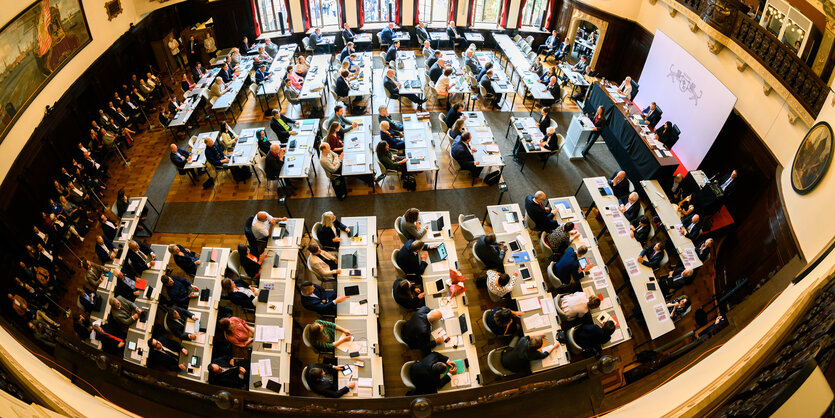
(491, 11)
(329, 10)
(267, 22)
(536, 19)
(527, 12)
(439, 11)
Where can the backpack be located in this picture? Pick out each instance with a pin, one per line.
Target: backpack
(408, 182)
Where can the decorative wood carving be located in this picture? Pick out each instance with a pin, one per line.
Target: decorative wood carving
(694, 27)
(767, 89)
(721, 14)
(672, 11)
(714, 46)
(741, 65)
(113, 8)
(792, 117)
(601, 24)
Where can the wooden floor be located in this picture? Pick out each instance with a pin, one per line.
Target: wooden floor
(150, 150)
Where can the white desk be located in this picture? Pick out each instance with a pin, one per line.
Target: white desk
(421, 150)
(670, 220)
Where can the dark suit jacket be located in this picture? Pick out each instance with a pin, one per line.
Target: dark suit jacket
(391, 54)
(422, 34)
(519, 358)
(544, 124)
(653, 258)
(463, 155)
(590, 336)
(491, 255)
(451, 117)
(215, 155)
(435, 72)
(642, 233)
(393, 125)
(179, 158)
(136, 261)
(342, 88)
(322, 304)
(431, 61)
(225, 75)
(450, 31)
(653, 117)
(108, 232)
(693, 233)
(231, 377)
(344, 54)
(186, 261)
(568, 268)
(621, 191)
(391, 87)
(326, 235)
(198, 74)
(314, 40)
(488, 85)
(394, 142)
(164, 359)
(632, 213)
(409, 303)
(104, 256)
(387, 36)
(322, 387)
(417, 331)
(272, 166)
(347, 35)
(541, 216)
(282, 134)
(425, 381)
(261, 76)
(731, 187)
(409, 261)
(178, 293)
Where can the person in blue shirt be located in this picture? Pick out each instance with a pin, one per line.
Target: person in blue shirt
(315, 298)
(347, 51)
(347, 34)
(387, 34)
(568, 268)
(177, 291)
(262, 74)
(214, 155)
(316, 42)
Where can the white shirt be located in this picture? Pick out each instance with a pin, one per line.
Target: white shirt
(493, 283)
(727, 183)
(575, 305)
(626, 89)
(174, 46)
(261, 230)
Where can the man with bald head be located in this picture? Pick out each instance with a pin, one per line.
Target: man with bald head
(214, 155)
(274, 162)
(417, 331)
(619, 184)
(437, 70)
(262, 227)
(536, 207)
(179, 157)
(630, 208)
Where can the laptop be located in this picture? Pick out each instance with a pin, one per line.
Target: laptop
(353, 230)
(511, 217)
(437, 253)
(514, 246)
(349, 261)
(437, 224)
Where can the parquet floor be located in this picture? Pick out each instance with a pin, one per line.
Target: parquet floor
(150, 150)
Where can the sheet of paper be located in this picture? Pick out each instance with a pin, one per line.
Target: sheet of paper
(266, 367)
(547, 305)
(269, 333)
(211, 269)
(460, 380)
(621, 228)
(528, 287)
(365, 392)
(600, 283)
(553, 359)
(632, 267)
(455, 341)
(440, 266)
(511, 227)
(529, 304)
(359, 309)
(278, 272)
(617, 335)
(534, 321)
(255, 368)
(661, 312)
(438, 332)
(606, 303)
(447, 312)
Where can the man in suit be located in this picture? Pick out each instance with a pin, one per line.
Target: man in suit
(454, 113)
(124, 312)
(87, 300)
(193, 47)
(554, 88)
(226, 372)
(411, 259)
(176, 320)
(315, 40)
(391, 54)
(592, 336)
(245, 45)
(225, 73)
(463, 154)
(589, 75)
(214, 155)
(630, 208)
(347, 35)
(179, 157)
(472, 62)
(417, 331)
(432, 59)
(728, 183)
(165, 353)
(561, 52)
(176, 291)
(387, 34)
(339, 116)
(281, 125)
(549, 45)
(483, 72)
(703, 251)
(108, 228)
(270, 47)
(347, 51)
(487, 83)
(184, 258)
(691, 228)
(437, 70)
(581, 65)
(262, 74)
(385, 116)
(620, 185)
(568, 268)
(315, 298)
(536, 207)
(422, 33)
(675, 280)
(393, 87)
(140, 256)
(640, 230)
(427, 52)
(652, 115)
(343, 89)
(273, 162)
(490, 253)
(105, 250)
(651, 256)
(430, 374)
(599, 120)
(454, 36)
(198, 71)
(94, 273)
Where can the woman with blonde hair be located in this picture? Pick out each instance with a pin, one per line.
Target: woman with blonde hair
(328, 232)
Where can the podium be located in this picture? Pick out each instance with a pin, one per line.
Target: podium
(579, 131)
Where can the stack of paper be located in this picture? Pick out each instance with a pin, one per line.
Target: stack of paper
(460, 380)
(358, 308)
(528, 304)
(268, 333)
(553, 359)
(535, 321)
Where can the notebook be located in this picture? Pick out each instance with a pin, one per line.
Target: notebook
(437, 253)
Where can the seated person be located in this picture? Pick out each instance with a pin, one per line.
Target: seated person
(463, 154)
(490, 253)
(123, 312)
(536, 208)
(630, 209)
(457, 129)
(526, 349)
(239, 293)
(384, 115)
(177, 291)
(408, 294)
(184, 258)
(576, 305)
(568, 268)
(640, 230)
(113, 339)
(323, 263)
(140, 256)
(410, 225)
(322, 380)
(592, 336)
(322, 334)
(703, 251)
(560, 238)
(250, 262)
(225, 371)
(500, 284)
(165, 353)
(430, 374)
(411, 259)
(393, 138)
(176, 320)
(388, 159)
(328, 232)
(651, 256)
(105, 250)
(417, 331)
(315, 298)
(504, 322)
(675, 280)
(691, 228)
(94, 273)
(236, 330)
(125, 286)
(620, 185)
(678, 307)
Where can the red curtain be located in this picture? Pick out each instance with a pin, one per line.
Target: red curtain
(396, 12)
(521, 11)
(339, 12)
(547, 23)
(551, 13)
(361, 17)
(255, 19)
(289, 27)
(471, 13)
(306, 13)
(503, 22)
(453, 4)
(417, 12)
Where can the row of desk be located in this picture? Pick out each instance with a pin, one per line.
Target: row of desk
(520, 65)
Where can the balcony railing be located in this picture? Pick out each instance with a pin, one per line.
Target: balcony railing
(783, 63)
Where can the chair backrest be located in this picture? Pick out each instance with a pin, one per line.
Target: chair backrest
(529, 39)
(306, 44)
(530, 223)
(304, 372)
(543, 245)
(400, 234)
(494, 361)
(406, 374)
(400, 271)
(306, 337)
(482, 91)
(314, 232)
(572, 345)
(531, 57)
(398, 332)
(442, 122)
(468, 235)
(555, 281)
(234, 263)
(253, 88)
(560, 142)
(487, 330)
(516, 38)
(164, 321)
(664, 260)
(478, 263)
(310, 267)
(560, 314)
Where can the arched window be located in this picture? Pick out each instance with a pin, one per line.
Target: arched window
(487, 11)
(534, 13)
(270, 15)
(379, 11)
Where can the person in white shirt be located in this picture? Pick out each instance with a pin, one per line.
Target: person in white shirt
(209, 45)
(500, 284)
(174, 46)
(444, 83)
(262, 225)
(626, 87)
(575, 305)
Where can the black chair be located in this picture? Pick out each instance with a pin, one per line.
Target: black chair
(250, 237)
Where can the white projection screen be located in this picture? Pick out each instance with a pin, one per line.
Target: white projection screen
(689, 95)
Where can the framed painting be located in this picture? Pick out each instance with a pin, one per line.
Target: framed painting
(34, 46)
(812, 159)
